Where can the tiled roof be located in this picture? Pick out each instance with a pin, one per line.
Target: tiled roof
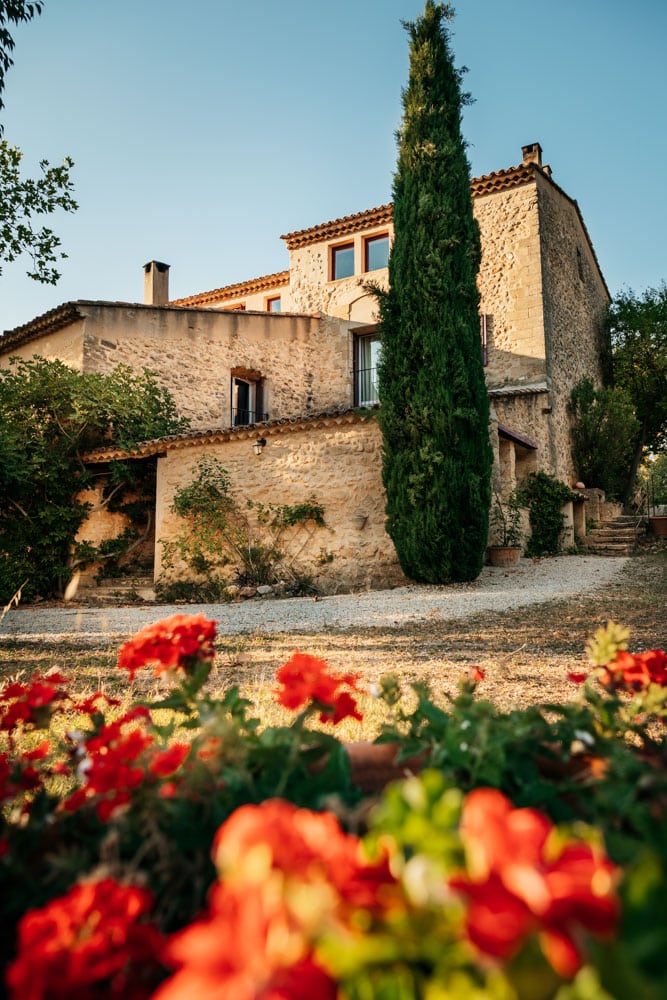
(48, 322)
(266, 283)
(501, 180)
(518, 390)
(498, 181)
(268, 428)
(339, 227)
(507, 432)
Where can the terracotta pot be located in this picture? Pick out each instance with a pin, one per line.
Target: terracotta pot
(504, 555)
(373, 765)
(658, 523)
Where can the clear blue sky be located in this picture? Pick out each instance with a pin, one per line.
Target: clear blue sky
(202, 130)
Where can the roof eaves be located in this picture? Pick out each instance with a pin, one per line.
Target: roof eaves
(239, 288)
(268, 428)
(518, 390)
(518, 438)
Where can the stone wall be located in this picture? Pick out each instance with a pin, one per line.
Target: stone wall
(305, 361)
(510, 285)
(64, 345)
(338, 461)
(575, 302)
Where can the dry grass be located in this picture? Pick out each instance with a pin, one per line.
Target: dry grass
(526, 655)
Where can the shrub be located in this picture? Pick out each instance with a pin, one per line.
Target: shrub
(178, 847)
(545, 496)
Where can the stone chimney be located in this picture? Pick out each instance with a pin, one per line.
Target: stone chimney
(156, 283)
(532, 153)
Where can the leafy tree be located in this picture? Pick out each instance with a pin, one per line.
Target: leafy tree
(50, 416)
(638, 330)
(21, 200)
(604, 432)
(14, 12)
(434, 407)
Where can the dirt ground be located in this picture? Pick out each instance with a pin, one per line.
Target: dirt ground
(526, 655)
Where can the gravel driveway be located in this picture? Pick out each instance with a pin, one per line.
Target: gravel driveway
(494, 590)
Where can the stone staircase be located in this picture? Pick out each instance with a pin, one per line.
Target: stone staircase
(116, 592)
(618, 536)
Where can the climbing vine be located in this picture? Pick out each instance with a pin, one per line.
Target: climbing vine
(544, 495)
(223, 543)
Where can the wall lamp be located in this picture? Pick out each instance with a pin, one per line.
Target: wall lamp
(259, 445)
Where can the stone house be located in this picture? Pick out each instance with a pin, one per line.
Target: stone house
(286, 358)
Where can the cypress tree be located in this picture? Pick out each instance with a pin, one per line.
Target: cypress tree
(434, 410)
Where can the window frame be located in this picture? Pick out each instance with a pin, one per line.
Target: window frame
(370, 337)
(335, 249)
(270, 299)
(367, 241)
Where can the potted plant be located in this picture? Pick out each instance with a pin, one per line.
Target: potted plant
(506, 528)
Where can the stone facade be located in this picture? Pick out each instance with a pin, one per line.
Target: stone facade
(334, 458)
(291, 342)
(302, 362)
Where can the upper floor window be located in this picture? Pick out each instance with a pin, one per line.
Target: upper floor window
(484, 324)
(247, 397)
(366, 357)
(342, 261)
(273, 304)
(236, 307)
(376, 252)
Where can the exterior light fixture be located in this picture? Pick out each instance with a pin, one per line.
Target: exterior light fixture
(259, 446)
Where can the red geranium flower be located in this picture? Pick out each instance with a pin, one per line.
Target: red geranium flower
(165, 762)
(519, 883)
(308, 846)
(249, 948)
(32, 703)
(286, 875)
(92, 942)
(635, 671)
(112, 767)
(304, 678)
(179, 642)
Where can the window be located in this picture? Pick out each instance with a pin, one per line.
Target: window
(366, 357)
(342, 261)
(484, 325)
(237, 307)
(376, 252)
(273, 304)
(247, 398)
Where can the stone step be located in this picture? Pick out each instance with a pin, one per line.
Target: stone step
(609, 548)
(117, 591)
(628, 534)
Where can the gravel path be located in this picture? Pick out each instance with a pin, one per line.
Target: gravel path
(494, 590)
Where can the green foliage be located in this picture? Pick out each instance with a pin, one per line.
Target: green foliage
(638, 331)
(653, 476)
(434, 407)
(545, 496)
(50, 416)
(506, 520)
(22, 200)
(225, 544)
(12, 12)
(604, 434)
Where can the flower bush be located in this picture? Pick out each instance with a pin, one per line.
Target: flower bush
(178, 848)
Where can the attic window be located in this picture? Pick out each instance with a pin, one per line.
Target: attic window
(247, 396)
(376, 252)
(342, 261)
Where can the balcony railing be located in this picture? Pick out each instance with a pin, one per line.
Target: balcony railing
(365, 387)
(241, 418)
